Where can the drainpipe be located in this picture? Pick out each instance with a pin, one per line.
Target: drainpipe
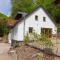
(24, 28)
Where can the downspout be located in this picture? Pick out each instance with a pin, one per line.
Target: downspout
(24, 29)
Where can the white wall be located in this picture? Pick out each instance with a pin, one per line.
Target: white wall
(17, 33)
(37, 25)
(9, 37)
(20, 31)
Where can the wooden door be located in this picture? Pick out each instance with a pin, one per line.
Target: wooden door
(47, 31)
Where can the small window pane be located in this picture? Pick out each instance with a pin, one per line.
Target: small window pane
(30, 29)
(18, 16)
(36, 17)
(44, 18)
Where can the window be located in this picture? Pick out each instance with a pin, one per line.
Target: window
(18, 16)
(44, 19)
(36, 17)
(30, 29)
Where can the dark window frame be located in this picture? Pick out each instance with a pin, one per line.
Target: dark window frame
(36, 17)
(44, 19)
(18, 16)
(30, 29)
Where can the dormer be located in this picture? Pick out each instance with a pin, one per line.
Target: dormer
(20, 15)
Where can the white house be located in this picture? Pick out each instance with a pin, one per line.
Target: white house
(39, 21)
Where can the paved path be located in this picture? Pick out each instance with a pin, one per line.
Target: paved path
(4, 47)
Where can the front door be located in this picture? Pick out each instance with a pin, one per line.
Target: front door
(47, 31)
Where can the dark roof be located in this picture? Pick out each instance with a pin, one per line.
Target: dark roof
(33, 12)
(22, 13)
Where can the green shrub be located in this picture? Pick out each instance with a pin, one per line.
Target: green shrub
(43, 39)
(15, 44)
(36, 36)
(58, 30)
(26, 39)
(3, 29)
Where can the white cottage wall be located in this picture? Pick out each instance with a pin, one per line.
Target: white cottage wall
(18, 31)
(37, 25)
(9, 37)
(14, 33)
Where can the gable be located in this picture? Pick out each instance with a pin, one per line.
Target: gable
(39, 11)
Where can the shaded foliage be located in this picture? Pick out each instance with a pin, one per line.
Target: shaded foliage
(29, 6)
(23, 5)
(15, 44)
(3, 26)
(2, 16)
(26, 39)
(43, 39)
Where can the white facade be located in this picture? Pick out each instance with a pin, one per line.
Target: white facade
(18, 31)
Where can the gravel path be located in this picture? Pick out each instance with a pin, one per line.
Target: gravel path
(4, 47)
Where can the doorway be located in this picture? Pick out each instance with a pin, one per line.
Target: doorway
(47, 31)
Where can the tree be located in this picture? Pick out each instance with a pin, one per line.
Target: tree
(48, 5)
(2, 16)
(3, 25)
(3, 28)
(29, 6)
(23, 5)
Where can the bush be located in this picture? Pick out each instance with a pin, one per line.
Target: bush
(26, 39)
(43, 39)
(3, 29)
(1, 32)
(15, 44)
(58, 30)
